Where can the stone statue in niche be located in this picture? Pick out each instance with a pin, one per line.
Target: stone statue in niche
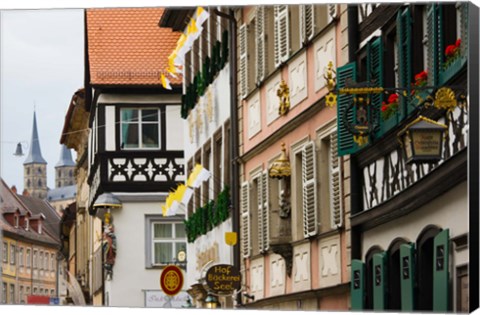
(109, 246)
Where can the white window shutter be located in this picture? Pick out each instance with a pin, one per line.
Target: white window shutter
(265, 212)
(260, 43)
(245, 219)
(307, 23)
(282, 34)
(259, 206)
(309, 190)
(242, 34)
(336, 211)
(332, 12)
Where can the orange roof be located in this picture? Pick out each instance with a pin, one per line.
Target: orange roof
(127, 47)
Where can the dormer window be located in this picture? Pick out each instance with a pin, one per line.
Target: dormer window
(17, 221)
(140, 128)
(27, 224)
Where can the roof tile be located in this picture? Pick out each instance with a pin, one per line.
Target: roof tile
(127, 47)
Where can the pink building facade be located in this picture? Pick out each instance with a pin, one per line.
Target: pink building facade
(294, 231)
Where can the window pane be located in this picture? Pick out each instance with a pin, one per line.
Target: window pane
(179, 230)
(162, 230)
(180, 246)
(150, 135)
(129, 115)
(130, 135)
(163, 253)
(150, 115)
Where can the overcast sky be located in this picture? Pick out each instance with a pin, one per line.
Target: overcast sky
(41, 62)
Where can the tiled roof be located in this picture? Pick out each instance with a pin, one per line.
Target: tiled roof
(126, 46)
(52, 219)
(8, 201)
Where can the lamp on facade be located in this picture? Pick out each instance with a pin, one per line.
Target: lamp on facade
(280, 168)
(211, 301)
(104, 203)
(422, 140)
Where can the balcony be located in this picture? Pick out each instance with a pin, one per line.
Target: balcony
(135, 171)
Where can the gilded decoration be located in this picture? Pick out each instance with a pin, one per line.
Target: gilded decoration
(280, 168)
(283, 93)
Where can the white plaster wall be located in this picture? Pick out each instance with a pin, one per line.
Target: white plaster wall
(220, 89)
(301, 271)
(174, 129)
(324, 50)
(205, 242)
(450, 210)
(130, 277)
(297, 79)
(110, 128)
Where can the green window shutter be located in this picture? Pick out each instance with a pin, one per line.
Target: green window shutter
(375, 74)
(346, 145)
(440, 271)
(379, 281)
(433, 42)
(407, 276)
(357, 285)
(404, 39)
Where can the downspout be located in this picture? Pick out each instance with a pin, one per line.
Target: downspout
(355, 172)
(234, 152)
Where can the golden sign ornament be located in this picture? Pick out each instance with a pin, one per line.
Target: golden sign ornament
(445, 99)
(331, 99)
(329, 76)
(171, 280)
(283, 93)
(231, 238)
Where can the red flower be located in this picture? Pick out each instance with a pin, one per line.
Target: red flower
(458, 42)
(421, 76)
(384, 107)
(393, 98)
(450, 50)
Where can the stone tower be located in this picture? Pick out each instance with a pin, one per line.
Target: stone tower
(64, 169)
(35, 167)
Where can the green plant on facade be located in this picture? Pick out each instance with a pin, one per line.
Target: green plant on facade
(209, 216)
(205, 75)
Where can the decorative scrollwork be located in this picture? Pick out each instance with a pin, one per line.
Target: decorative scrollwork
(145, 169)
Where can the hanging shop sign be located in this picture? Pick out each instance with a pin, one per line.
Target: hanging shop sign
(223, 279)
(171, 280)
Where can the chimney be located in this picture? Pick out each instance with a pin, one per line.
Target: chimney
(14, 189)
(25, 193)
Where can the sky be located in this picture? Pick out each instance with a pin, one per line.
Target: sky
(42, 65)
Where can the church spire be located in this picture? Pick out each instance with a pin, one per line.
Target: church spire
(65, 157)
(34, 154)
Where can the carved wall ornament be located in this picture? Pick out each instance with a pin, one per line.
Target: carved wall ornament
(283, 93)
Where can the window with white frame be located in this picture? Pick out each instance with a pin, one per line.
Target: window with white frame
(28, 258)
(52, 261)
(4, 293)
(166, 239)
(40, 262)
(20, 294)
(12, 254)
(281, 34)
(20, 257)
(5, 252)
(12, 294)
(140, 128)
(35, 259)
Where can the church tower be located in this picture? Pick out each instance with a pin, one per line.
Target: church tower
(65, 168)
(35, 167)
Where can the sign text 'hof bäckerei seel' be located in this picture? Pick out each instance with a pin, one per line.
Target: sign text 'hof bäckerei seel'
(223, 278)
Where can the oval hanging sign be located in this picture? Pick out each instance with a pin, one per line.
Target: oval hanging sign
(223, 278)
(171, 280)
